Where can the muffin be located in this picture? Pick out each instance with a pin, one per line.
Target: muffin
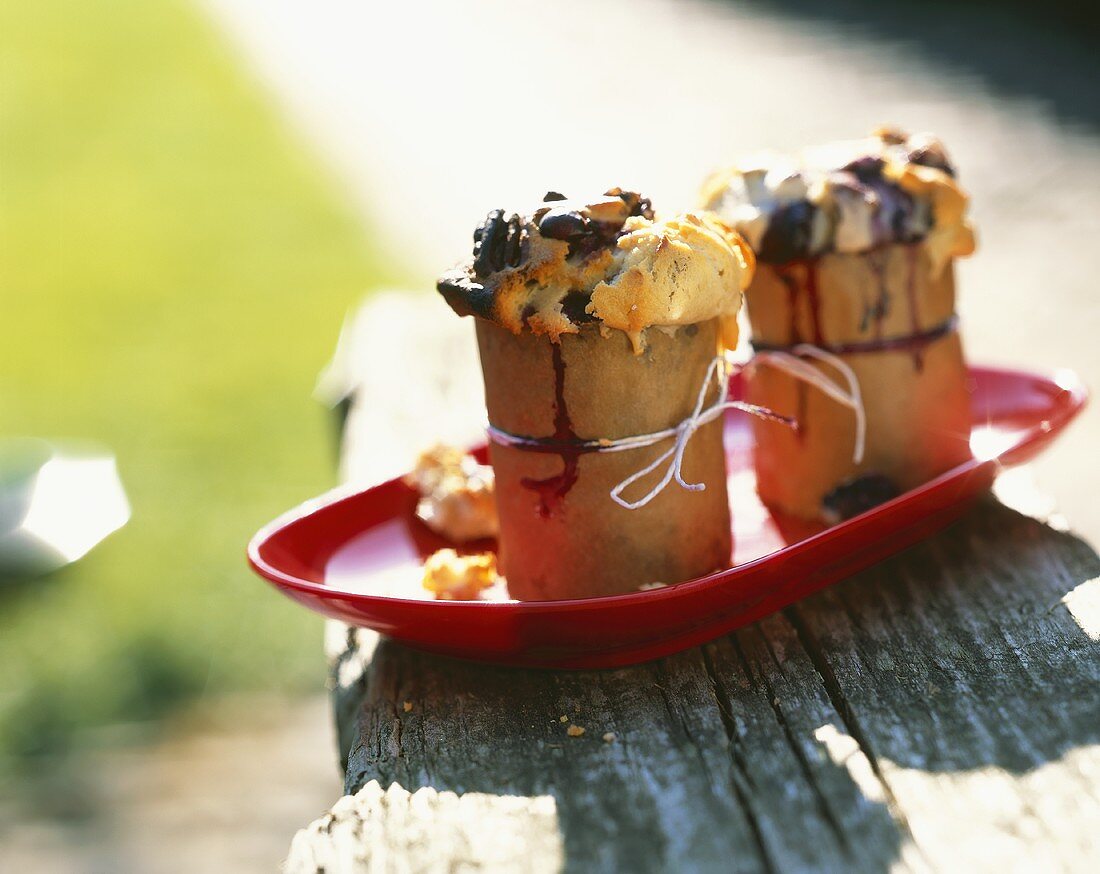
(856, 243)
(596, 322)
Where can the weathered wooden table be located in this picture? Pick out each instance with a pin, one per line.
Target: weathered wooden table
(940, 711)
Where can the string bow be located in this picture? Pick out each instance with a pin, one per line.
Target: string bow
(721, 369)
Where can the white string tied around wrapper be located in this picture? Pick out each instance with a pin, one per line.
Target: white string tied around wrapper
(720, 370)
(792, 364)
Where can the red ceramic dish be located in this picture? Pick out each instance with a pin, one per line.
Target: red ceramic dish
(357, 557)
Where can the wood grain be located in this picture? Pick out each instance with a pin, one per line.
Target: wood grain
(937, 712)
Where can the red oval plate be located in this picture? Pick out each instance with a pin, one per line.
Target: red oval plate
(357, 557)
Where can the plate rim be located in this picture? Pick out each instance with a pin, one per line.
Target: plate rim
(1066, 379)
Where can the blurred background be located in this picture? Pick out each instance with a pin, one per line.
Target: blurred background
(194, 194)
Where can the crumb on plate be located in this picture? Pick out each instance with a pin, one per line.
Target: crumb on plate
(454, 577)
(456, 494)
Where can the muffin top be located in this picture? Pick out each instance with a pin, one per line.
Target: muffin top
(849, 196)
(605, 261)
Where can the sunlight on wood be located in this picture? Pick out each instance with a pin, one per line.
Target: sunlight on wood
(1083, 603)
(392, 829)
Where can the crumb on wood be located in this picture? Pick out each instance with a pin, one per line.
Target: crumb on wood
(610, 737)
(575, 730)
(407, 706)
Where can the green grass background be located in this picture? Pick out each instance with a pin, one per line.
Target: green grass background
(174, 269)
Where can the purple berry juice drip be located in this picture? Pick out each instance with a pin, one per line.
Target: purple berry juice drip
(914, 313)
(553, 489)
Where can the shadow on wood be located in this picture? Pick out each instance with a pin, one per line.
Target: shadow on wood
(702, 768)
(809, 740)
(961, 653)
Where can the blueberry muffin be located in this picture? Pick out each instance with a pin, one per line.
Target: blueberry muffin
(597, 321)
(856, 243)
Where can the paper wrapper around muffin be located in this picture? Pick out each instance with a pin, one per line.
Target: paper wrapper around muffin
(561, 534)
(915, 395)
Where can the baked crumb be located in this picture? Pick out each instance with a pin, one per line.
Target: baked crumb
(563, 718)
(454, 577)
(575, 731)
(567, 263)
(407, 706)
(456, 494)
(610, 737)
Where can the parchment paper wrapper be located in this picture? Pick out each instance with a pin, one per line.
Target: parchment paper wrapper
(915, 397)
(561, 535)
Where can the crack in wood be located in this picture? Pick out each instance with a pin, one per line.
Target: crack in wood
(847, 715)
(677, 716)
(796, 749)
(398, 727)
(737, 761)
